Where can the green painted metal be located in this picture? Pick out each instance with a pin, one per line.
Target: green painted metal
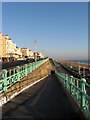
(83, 92)
(71, 84)
(4, 77)
(17, 74)
(66, 80)
(76, 87)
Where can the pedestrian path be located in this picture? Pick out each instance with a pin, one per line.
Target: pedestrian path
(45, 99)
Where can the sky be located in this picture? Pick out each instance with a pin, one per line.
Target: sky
(61, 28)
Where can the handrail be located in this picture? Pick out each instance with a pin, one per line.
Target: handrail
(11, 76)
(77, 89)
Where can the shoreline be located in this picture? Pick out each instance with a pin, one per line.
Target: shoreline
(82, 62)
(76, 64)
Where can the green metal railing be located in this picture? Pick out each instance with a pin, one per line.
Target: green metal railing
(78, 88)
(10, 77)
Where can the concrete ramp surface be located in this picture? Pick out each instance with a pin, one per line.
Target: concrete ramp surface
(45, 99)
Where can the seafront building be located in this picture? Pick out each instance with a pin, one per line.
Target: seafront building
(2, 46)
(27, 53)
(9, 50)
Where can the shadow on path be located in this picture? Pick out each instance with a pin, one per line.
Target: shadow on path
(43, 100)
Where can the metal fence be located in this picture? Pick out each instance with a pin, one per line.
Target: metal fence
(77, 88)
(10, 77)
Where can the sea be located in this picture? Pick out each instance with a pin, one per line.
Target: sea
(81, 61)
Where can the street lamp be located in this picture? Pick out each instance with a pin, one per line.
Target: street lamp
(43, 53)
(35, 42)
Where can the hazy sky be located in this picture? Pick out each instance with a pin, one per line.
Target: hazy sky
(60, 28)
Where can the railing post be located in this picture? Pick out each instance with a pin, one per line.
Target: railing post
(77, 93)
(83, 92)
(74, 93)
(10, 72)
(71, 77)
(34, 66)
(25, 69)
(66, 80)
(63, 78)
(4, 75)
(30, 67)
(18, 73)
(14, 76)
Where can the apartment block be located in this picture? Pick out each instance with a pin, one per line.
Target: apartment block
(8, 48)
(2, 46)
(26, 52)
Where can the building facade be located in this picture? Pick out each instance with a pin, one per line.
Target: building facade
(27, 53)
(2, 45)
(8, 48)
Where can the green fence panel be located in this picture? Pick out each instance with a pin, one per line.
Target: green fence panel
(76, 87)
(18, 73)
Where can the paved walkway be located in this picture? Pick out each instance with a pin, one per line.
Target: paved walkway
(43, 100)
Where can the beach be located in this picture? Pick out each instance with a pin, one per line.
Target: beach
(76, 64)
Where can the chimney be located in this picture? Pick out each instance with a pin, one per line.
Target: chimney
(6, 36)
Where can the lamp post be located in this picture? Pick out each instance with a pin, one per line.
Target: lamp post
(84, 71)
(35, 42)
(43, 53)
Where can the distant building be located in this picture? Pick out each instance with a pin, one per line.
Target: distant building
(2, 45)
(18, 52)
(31, 55)
(8, 48)
(11, 49)
(39, 55)
(27, 52)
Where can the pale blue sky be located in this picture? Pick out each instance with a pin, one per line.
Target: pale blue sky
(60, 28)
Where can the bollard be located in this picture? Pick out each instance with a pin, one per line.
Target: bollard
(83, 92)
(66, 80)
(4, 76)
(71, 85)
(18, 73)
